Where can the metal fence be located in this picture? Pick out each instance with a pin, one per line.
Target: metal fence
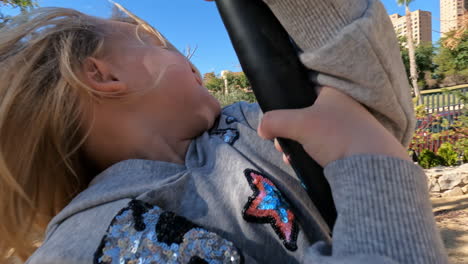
(439, 106)
(443, 102)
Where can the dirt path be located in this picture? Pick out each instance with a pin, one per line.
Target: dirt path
(451, 215)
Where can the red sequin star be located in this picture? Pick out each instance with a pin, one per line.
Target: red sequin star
(267, 205)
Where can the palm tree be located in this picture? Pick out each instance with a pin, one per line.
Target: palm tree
(23, 5)
(453, 38)
(411, 49)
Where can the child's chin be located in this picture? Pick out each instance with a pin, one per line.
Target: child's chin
(215, 105)
(218, 108)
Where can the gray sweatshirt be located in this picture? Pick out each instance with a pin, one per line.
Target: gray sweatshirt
(235, 201)
(241, 203)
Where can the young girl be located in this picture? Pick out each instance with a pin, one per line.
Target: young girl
(109, 137)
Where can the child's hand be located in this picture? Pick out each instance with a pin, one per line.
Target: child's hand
(335, 127)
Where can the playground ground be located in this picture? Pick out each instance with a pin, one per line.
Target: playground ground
(451, 215)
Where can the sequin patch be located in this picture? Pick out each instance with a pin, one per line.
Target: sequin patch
(230, 120)
(229, 135)
(171, 228)
(197, 260)
(165, 238)
(267, 205)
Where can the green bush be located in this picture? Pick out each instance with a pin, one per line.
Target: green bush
(462, 146)
(448, 154)
(234, 96)
(428, 159)
(214, 84)
(422, 84)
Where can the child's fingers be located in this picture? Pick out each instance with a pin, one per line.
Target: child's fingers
(286, 159)
(318, 89)
(282, 123)
(278, 146)
(280, 149)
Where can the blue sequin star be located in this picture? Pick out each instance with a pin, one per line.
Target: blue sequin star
(267, 205)
(274, 201)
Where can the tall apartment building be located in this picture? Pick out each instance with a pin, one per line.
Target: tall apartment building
(451, 12)
(422, 25)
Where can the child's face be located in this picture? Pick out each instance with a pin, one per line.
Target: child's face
(171, 88)
(164, 99)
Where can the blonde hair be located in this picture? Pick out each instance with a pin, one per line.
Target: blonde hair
(41, 110)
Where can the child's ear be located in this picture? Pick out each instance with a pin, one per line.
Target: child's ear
(99, 76)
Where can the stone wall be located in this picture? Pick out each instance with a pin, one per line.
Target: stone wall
(448, 181)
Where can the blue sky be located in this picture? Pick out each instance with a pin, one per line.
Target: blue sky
(196, 23)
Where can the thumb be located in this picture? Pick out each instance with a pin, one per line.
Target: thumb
(282, 123)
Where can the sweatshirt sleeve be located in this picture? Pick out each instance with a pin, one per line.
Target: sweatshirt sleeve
(384, 214)
(353, 47)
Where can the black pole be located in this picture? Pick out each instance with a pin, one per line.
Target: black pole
(279, 81)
